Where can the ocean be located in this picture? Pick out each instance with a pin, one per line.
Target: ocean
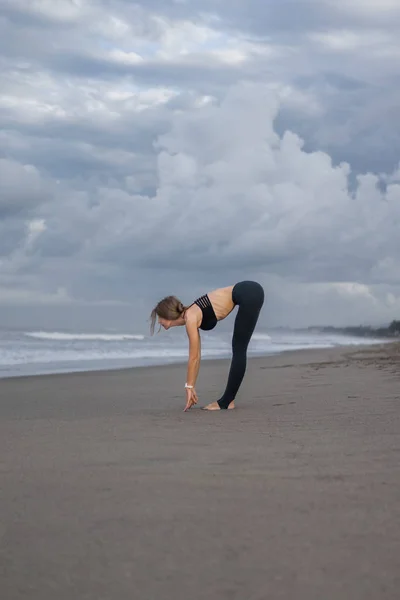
(33, 352)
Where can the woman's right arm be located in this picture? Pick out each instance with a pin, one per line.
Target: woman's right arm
(194, 351)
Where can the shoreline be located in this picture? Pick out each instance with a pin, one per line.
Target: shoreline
(205, 359)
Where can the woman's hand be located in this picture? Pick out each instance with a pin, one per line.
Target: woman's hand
(191, 398)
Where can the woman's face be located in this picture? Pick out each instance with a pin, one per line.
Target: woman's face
(164, 323)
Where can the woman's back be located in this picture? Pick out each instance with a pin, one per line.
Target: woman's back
(221, 300)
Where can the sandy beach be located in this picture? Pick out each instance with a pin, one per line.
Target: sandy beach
(109, 491)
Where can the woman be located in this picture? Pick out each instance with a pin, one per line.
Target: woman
(204, 314)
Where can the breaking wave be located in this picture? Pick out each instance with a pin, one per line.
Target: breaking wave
(103, 337)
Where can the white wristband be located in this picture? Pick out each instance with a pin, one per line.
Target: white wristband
(188, 387)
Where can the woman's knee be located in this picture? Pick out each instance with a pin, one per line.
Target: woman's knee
(239, 351)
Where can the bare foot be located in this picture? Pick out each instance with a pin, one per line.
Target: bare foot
(215, 406)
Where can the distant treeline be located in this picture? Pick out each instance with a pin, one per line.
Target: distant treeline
(391, 331)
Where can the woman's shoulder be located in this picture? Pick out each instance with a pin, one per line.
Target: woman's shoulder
(192, 315)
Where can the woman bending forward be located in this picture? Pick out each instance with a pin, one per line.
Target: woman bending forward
(204, 314)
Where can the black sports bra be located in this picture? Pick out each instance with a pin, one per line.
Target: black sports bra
(209, 319)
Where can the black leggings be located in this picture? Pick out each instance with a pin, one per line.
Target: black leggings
(249, 296)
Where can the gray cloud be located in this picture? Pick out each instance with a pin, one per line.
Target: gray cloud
(142, 144)
(22, 189)
(282, 207)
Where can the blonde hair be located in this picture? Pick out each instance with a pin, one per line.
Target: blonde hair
(170, 308)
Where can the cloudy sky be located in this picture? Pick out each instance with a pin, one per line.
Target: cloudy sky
(173, 146)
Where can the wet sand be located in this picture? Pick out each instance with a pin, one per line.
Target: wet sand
(109, 491)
